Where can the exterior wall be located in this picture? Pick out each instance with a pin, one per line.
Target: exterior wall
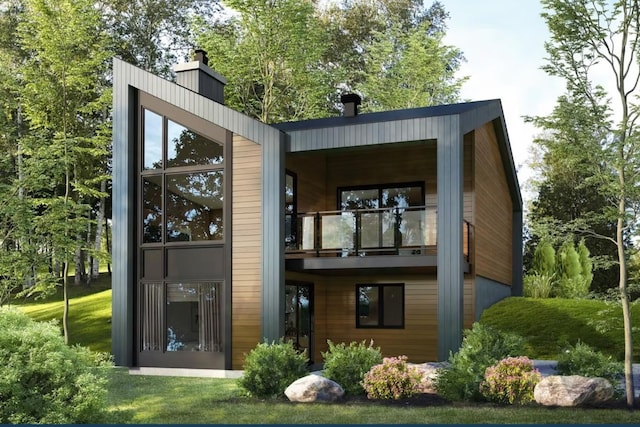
(246, 258)
(335, 314)
(488, 293)
(493, 210)
(311, 173)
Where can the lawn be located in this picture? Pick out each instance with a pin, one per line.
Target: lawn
(161, 400)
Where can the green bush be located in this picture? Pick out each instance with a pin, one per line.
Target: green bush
(42, 380)
(538, 285)
(583, 360)
(511, 380)
(481, 347)
(347, 365)
(393, 379)
(270, 368)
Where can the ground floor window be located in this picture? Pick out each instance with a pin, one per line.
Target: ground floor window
(380, 306)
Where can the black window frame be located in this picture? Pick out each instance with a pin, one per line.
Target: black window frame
(381, 187)
(381, 303)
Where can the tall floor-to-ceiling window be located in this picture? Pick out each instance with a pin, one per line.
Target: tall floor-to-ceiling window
(182, 237)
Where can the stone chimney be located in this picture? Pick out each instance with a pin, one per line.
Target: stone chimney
(350, 102)
(198, 77)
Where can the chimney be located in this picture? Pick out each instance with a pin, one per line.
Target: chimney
(350, 102)
(198, 77)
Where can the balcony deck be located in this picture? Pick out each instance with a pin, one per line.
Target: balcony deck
(366, 241)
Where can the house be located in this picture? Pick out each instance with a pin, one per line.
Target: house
(399, 227)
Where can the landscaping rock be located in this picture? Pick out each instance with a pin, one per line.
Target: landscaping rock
(573, 390)
(314, 388)
(429, 372)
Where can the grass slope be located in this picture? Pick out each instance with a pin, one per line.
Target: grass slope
(548, 325)
(89, 313)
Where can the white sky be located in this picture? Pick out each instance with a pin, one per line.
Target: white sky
(503, 42)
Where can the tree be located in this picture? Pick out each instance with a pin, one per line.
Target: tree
(270, 52)
(152, 34)
(566, 189)
(64, 96)
(597, 35)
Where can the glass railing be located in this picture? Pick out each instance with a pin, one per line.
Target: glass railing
(389, 231)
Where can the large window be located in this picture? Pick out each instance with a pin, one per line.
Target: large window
(182, 183)
(381, 196)
(380, 306)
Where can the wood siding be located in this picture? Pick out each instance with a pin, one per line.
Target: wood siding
(246, 258)
(335, 314)
(493, 210)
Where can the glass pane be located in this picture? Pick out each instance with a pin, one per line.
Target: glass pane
(368, 305)
(152, 209)
(185, 147)
(193, 319)
(412, 228)
(289, 194)
(401, 197)
(392, 305)
(359, 199)
(370, 230)
(304, 318)
(195, 203)
(308, 233)
(337, 231)
(152, 140)
(291, 315)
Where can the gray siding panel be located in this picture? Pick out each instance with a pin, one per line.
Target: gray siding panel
(517, 286)
(273, 239)
(489, 292)
(449, 238)
(122, 325)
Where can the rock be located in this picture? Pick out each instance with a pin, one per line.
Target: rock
(314, 388)
(573, 390)
(429, 372)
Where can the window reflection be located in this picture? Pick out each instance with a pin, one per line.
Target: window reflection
(187, 148)
(195, 206)
(152, 140)
(152, 209)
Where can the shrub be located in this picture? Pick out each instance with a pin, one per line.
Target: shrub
(481, 347)
(270, 368)
(393, 379)
(511, 380)
(347, 365)
(583, 360)
(42, 380)
(538, 285)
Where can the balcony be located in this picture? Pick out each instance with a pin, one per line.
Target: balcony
(401, 237)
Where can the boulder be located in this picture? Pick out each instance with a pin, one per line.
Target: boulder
(429, 373)
(314, 388)
(573, 390)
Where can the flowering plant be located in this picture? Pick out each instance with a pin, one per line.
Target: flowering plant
(393, 379)
(511, 380)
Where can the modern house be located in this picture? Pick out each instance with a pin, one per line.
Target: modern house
(399, 227)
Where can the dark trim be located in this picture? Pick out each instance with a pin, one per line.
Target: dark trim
(228, 254)
(381, 303)
(516, 263)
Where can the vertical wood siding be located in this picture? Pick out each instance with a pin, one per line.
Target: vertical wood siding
(493, 210)
(246, 251)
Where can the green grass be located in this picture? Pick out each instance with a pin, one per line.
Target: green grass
(89, 312)
(147, 399)
(548, 325)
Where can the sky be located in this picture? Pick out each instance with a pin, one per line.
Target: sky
(503, 43)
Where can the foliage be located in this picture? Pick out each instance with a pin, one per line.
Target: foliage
(44, 381)
(537, 285)
(393, 379)
(597, 39)
(481, 347)
(571, 281)
(511, 380)
(581, 359)
(270, 368)
(348, 364)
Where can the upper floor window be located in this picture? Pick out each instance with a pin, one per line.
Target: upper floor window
(182, 180)
(381, 196)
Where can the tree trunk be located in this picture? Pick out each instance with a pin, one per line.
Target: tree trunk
(624, 301)
(65, 297)
(107, 233)
(95, 267)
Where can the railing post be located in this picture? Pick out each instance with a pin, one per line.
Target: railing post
(316, 232)
(358, 232)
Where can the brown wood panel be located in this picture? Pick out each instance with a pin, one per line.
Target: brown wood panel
(493, 210)
(311, 172)
(246, 263)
